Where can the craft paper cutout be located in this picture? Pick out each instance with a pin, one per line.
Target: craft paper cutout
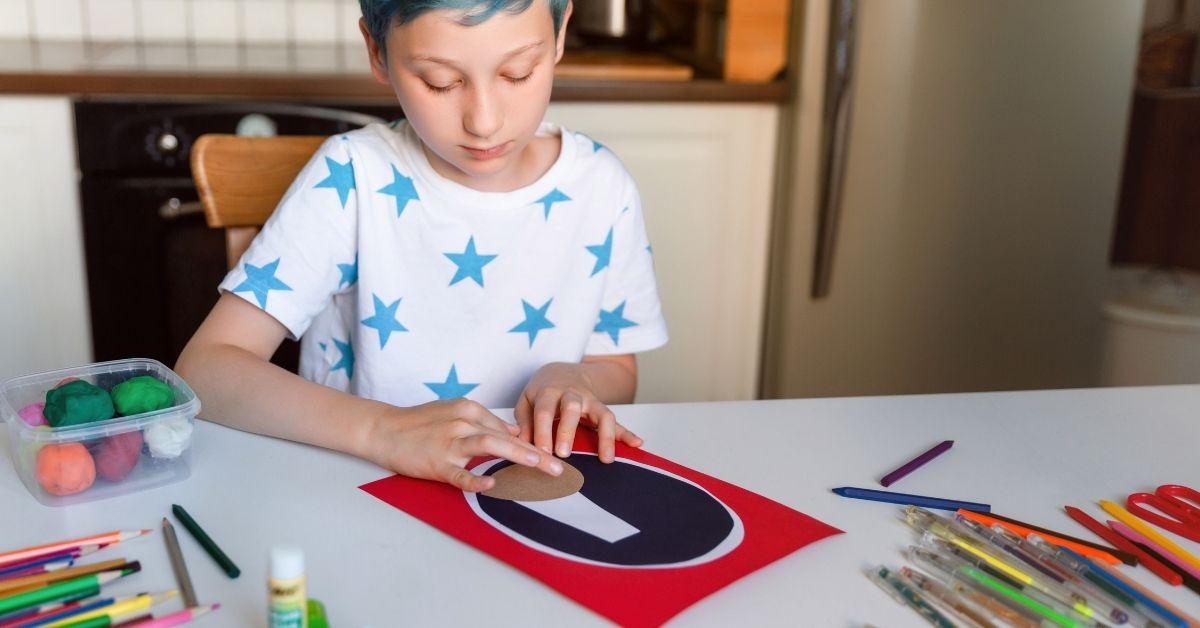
(527, 484)
(642, 539)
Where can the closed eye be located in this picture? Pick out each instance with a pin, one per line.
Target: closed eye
(439, 89)
(517, 80)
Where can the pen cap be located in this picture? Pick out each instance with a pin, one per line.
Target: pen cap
(287, 562)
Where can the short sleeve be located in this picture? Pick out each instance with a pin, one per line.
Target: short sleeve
(630, 318)
(306, 251)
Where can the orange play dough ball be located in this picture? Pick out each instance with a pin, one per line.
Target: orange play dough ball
(65, 469)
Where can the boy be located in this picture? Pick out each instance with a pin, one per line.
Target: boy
(468, 257)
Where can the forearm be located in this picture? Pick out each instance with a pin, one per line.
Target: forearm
(241, 390)
(613, 379)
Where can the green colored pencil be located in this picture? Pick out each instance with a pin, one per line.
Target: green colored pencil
(205, 541)
(88, 585)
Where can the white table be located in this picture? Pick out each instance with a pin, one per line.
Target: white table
(1026, 453)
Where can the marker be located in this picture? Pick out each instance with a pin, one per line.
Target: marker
(913, 464)
(904, 498)
(205, 541)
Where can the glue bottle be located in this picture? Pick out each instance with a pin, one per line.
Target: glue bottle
(288, 600)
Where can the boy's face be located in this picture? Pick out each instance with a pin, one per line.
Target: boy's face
(474, 94)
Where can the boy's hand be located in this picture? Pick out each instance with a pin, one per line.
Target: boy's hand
(563, 391)
(435, 441)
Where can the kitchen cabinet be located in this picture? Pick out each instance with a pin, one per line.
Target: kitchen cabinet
(44, 320)
(705, 173)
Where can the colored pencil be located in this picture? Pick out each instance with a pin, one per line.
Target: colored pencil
(182, 578)
(50, 612)
(120, 611)
(1127, 518)
(176, 618)
(912, 465)
(107, 538)
(205, 541)
(904, 498)
(1047, 532)
(37, 570)
(1083, 547)
(73, 553)
(90, 583)
(1136, 537)
(28, 583)
(1189, 580)
(1116, 540)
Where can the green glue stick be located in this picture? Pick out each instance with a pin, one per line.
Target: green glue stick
(286, 592)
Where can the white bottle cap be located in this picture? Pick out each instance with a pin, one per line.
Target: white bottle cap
(287, 562)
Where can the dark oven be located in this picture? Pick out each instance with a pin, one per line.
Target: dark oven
(153, 265)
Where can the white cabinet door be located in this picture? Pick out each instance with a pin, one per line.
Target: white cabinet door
(44, 319)
(705, 172)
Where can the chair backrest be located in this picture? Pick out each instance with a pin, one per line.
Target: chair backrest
(241, 179)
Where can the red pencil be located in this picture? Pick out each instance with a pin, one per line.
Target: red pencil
(1162, 571)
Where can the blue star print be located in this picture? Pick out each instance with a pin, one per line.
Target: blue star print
(346, 363)
(349, 273)
(612, 322)
(470, 264)
(402, 188)
(553, 197)
(451, 388)
(341, 178)
(384, 320)
(535, 320)
(603, 253)
(261, 280)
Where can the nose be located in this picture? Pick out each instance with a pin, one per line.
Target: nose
(484, 115)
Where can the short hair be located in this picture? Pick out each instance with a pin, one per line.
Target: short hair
(380, 14)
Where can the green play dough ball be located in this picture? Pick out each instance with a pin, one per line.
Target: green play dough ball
(142, 394)
(77, 402)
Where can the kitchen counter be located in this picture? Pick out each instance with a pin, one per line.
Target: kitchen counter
(321, 72)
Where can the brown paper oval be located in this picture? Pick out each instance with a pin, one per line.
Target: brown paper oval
(529, 484)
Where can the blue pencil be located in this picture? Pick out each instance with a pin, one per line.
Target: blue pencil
(916, 500)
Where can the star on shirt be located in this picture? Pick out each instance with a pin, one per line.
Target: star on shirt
(349, 273)
(341, 178)
(535, 320)
(384, 320)
(549, 199)
(402, 188)
(261, 280)
(603, 253)
(346, 363)
(470, 264)
(451, 388)
(612, 322)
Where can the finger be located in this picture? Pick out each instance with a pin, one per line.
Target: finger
(524, 415)
(463, 479)
(483, 417)
(509, 448)
(606, 425)
(625, 435)
(570, 409)
(544, 409)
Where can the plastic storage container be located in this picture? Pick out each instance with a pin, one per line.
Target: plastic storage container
(159, 453)
(1151, 327)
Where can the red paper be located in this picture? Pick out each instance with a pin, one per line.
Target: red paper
(627, 595)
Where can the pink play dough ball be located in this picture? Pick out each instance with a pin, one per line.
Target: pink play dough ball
(32, 413)
(118, 454)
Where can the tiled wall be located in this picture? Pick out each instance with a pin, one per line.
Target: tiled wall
(201, 21)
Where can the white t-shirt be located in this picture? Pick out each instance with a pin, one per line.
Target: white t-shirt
(407, 287)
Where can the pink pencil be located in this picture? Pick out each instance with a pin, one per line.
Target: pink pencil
(174, 619)
(8, 559)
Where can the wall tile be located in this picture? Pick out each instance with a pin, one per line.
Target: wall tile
(14, 19)
(314, 22)
(109, 20)
(265, 21)
(214, 21)
(164, 20)
(57, 19)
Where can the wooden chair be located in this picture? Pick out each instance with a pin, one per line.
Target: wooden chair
(241, 179)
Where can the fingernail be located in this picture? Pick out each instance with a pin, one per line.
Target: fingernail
(532, 457)
(556, 467)
(563, 451)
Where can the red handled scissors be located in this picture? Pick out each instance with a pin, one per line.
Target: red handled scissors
(1180, 504)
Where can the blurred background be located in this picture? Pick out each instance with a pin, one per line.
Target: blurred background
(846, 197)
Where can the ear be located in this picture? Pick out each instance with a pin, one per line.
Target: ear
(561, 41)
(378, 66)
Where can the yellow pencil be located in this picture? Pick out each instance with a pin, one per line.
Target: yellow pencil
(1130, 520)
(119, 610)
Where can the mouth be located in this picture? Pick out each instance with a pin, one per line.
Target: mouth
(486, 153)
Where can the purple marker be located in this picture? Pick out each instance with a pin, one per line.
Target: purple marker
(912, 465)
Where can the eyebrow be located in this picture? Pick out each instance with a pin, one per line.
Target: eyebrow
(508, 55)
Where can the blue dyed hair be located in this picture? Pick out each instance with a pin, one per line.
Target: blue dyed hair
(380, 14)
